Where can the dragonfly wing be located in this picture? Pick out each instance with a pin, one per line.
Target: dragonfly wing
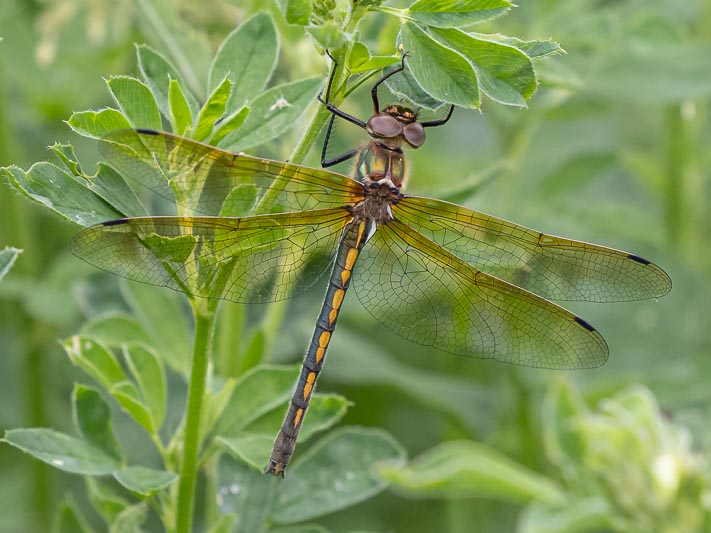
(428, 295)
(204, 179)
(248, 260)
(553, 267)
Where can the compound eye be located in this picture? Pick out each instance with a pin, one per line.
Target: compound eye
(414, 134)
(384, 126)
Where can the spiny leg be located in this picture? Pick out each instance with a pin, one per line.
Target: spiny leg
(439, 121)
(374, 90)
(325, 163)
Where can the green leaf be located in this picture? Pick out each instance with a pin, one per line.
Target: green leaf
(448, 13)
(63, 451)
(328, 35)
(114, 329)
(92, 418)
(296, 11)
(335, 473)
(164, 320)
(533, 49)
(52, 187)
(245, 493)
(180, 115)
(228, 125)
(213, 110)
(469, 470)
(70, 520)
(107, 183)
(359, 55)
(374, 63)
(442, 72)
(360, 59)
(95, 359)
(144, 480)
(130, 519)
(247, 58)
(147, 370)
(157, 72)
(272, 113)
(96, 124)
(256, 393)
(67, 155)
(253, 449)
(405, 87)
(110, 185)
(7, 258)
(135, 100)
(505, 73)
(130, 401)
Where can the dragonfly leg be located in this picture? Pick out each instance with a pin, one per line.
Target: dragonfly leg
(374, 90)
(440, 121)
(325, 163)
(327, 101)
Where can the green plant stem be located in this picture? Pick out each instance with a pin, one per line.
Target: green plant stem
(203, 311)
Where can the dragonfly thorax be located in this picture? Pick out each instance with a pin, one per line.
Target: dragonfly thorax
(381, 164)
(381, 169)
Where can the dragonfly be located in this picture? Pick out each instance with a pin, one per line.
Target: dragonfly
(254, 230)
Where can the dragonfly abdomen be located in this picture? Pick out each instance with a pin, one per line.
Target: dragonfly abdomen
(354, 237)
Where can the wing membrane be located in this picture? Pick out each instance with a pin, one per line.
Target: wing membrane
(552, 267)
(428, 295)
(201, 178)
(248, 260)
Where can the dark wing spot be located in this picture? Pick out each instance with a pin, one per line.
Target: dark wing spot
(638, 259)
(147, 132)
(583, 323)
(115, 222)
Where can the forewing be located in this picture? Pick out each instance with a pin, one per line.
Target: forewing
(203, 179)
(248, 260)
(552, 267)
(428, 295)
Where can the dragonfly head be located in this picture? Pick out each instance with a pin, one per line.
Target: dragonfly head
(395, 124)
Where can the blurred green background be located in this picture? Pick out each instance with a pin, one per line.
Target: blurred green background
(614, 149)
